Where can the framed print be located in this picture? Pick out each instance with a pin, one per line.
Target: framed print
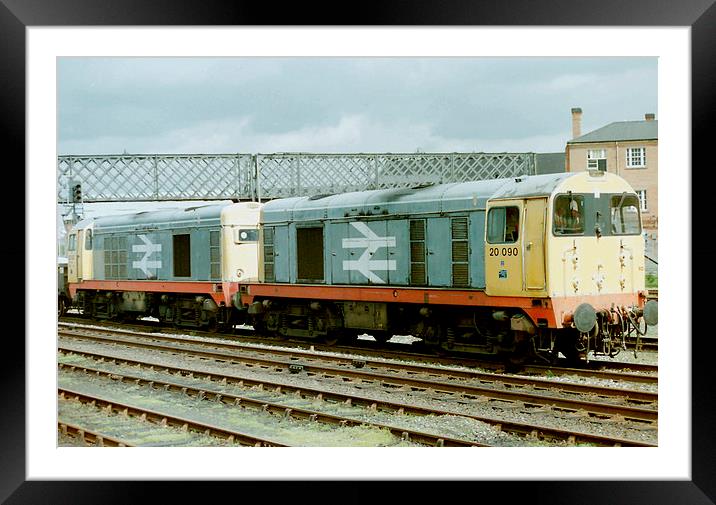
(39, 35)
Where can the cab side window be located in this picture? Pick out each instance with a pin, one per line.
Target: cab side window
(503, 225)
(88, 240)
(72, 242)
(568, 216)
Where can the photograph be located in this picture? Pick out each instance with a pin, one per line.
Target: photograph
(407, 252)
(342, 256)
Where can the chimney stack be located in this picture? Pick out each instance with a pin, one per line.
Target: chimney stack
(650, 116)
(576, 122)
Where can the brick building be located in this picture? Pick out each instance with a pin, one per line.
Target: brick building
(626, 148)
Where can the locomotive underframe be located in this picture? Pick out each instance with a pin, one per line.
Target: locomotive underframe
(500, 330)
(455, 329)
(179, 309)
(485, 330)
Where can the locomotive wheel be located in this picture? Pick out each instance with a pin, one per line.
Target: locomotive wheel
(282, 335)
(520, 355)
(567, 345)
(381, 336)
(112, 311)
(333, 337)
(259, 327)
(213, 325)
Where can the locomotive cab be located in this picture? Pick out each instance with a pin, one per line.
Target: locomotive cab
(515, 247)
(595, 244)
(239, 242)
(572, 243)
(575, 236)
(79, 252)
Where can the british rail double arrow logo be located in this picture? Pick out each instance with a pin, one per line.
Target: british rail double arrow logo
(148, 248)
(371, 242)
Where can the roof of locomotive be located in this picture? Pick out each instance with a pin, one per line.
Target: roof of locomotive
(534, 185)
(452, 197)
(190, 216)
(84, 223)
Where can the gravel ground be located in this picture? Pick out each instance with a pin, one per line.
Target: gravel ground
(554, 378)
(498, 385)
(447, 425)
(130, 429)
(259, 350)
(253, 422)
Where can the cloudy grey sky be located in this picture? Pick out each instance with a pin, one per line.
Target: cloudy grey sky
(266, 105)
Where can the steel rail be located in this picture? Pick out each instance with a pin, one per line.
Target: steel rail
(278, 409)
(167, 420)
(645, 343)
(595, 368)
(90, 436)
(520, 429)
(530, 399)
(632, 395)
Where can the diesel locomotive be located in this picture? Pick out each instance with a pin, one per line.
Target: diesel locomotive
(527, 267)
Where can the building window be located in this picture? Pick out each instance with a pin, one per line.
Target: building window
(597, 158)
(642, 199)
(636, 157)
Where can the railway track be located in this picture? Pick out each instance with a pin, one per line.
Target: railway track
(415, 351)
(214, 379)
(408, 368)
(644, 344)
(629, 372)
(90, 437)
(204, 393)
(387, 377)
(165, 419)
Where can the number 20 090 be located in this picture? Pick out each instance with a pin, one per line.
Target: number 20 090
(503, 251)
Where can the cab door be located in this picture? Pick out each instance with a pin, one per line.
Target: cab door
(84, 252)
(73, 258)
(503, 250)
(535, 218)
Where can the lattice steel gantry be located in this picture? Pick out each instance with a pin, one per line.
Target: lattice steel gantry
(157, 177)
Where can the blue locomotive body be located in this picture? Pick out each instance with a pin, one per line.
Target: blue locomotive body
(170, 245)
(431, 236)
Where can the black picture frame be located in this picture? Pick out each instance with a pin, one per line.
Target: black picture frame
(17, 15)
